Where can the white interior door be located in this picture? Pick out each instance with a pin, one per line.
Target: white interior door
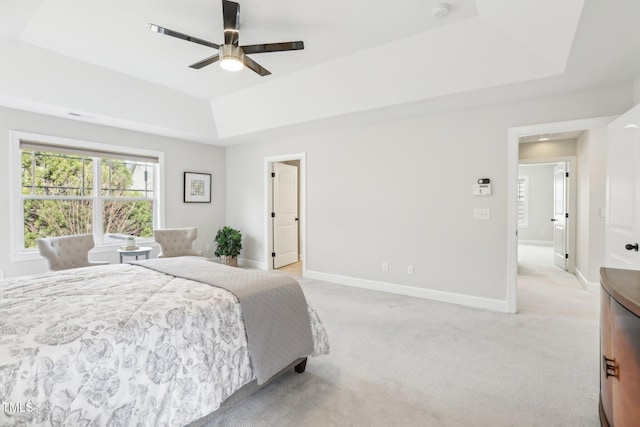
(560, 215)
(622, 226)
(285, 214)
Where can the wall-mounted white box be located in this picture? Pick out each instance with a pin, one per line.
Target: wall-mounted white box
(481, 189)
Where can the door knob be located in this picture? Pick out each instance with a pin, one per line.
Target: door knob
(631, 247)
(553, 220)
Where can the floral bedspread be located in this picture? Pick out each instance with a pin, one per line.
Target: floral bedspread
(120, 345)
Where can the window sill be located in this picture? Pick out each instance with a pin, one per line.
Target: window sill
(113, 247)
(25, 256)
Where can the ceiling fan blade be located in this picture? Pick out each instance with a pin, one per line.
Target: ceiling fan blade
(162, 30)
(250, 63)
(272, 47)
(207, 61)
(231, 19)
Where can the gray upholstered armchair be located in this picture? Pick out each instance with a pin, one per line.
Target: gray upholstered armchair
(67, 252)
(176, 241)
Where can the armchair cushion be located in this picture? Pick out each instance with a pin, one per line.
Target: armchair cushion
(176, 241)
(67, 252)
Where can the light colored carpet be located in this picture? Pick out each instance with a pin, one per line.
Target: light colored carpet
(402, 361)
(535, 264)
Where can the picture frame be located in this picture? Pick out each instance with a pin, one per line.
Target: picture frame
(197, 187)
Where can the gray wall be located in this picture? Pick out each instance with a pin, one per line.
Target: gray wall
(592, 165)
(547, 149)
(180, 156)
(540, 203)
(401, 191)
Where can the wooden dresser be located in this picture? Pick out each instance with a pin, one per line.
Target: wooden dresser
(620, 348)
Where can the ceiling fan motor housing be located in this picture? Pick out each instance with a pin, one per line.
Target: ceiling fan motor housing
(231, 52)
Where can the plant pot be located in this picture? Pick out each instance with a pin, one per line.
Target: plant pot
(230, 261)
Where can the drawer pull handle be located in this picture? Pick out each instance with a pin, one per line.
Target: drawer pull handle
(610, 367)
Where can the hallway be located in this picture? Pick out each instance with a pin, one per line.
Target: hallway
(545, 288)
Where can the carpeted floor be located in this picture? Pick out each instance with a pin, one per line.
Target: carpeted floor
(402, 361)
(535, 265)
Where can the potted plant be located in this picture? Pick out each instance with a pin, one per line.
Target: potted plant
(229, 243)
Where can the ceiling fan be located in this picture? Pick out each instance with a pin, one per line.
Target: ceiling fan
(231, 56)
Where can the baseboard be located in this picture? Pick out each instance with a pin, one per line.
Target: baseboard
(430, 294)
(535, 242)
(590, 286)
(242, 262)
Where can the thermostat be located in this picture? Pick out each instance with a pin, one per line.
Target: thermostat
(481, 189)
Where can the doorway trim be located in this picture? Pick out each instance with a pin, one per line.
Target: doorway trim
(513, 149)
(268, 206)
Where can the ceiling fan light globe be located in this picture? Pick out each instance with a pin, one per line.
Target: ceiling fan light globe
(231, 64)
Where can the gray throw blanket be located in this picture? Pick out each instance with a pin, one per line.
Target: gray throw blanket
(273, 307)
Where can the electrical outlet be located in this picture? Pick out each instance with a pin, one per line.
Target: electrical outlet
(410, 269)
(385, 266)
(208, 246)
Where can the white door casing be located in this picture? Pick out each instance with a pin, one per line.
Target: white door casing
(622, 225)
(512, 186)
(285, 209)
(560, 215)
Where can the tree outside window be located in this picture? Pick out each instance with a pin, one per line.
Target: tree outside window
(65, 193)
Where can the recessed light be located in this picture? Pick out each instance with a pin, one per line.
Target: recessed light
(543, 139)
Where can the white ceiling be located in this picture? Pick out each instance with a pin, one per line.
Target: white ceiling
(99, 59)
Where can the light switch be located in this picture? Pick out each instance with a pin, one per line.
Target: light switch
(481, 213)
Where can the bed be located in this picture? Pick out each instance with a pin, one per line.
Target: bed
(131, 344)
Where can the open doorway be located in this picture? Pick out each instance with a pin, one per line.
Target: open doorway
(595, 131)
(285, 195)
(546, 237)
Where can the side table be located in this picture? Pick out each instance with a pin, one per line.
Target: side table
(142, 250)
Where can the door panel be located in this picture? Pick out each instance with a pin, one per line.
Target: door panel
(559, 215)
(285, 207)
(622, 223)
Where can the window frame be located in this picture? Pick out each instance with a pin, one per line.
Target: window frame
(525, 201)
(18, 251)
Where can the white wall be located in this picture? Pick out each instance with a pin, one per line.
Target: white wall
(592, 162)
(401, 191)
(540, 203)
(180, 156)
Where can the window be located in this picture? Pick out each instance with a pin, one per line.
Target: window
(523, 202)
(70, 187)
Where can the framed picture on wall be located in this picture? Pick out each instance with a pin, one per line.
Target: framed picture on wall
(197, 187)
